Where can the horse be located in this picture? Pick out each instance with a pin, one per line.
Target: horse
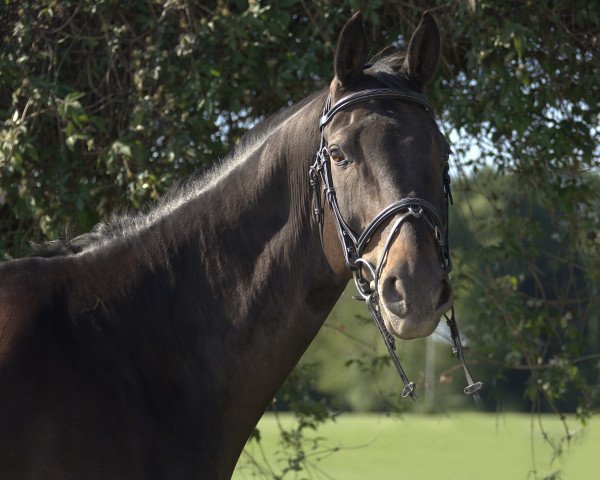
(150, 347)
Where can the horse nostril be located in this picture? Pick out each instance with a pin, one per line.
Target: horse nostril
(446, 294)
(393, 295)
(392, 290)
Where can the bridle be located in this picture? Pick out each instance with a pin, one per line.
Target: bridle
(353, 245)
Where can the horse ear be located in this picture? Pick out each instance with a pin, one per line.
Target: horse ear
(423, 51)
(351, 52)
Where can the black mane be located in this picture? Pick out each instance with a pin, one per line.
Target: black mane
(384, 68)
(119, 224)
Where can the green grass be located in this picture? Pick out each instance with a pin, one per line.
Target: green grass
(456, 447)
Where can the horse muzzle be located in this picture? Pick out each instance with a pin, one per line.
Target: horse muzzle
(411, 307)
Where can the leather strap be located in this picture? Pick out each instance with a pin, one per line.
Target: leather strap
(373, 94)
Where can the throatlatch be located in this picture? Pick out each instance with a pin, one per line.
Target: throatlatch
(353, 246)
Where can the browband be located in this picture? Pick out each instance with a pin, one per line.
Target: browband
(375, 93)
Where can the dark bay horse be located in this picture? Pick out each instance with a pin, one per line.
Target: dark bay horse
(150, 347)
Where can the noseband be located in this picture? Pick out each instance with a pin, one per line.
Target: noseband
(354, 245)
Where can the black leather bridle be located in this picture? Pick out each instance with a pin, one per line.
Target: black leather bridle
(354, 245)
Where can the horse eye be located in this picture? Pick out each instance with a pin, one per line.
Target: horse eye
(337, 156)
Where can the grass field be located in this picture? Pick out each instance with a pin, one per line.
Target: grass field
(456, 447)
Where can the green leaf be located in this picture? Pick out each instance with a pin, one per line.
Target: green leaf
(71, 140)
(518, 43)
(120, 148)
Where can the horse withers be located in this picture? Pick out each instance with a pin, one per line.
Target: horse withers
(150, 347)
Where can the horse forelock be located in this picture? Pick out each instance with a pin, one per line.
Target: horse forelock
(390, 71)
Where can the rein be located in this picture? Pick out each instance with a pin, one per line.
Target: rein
(354, 245)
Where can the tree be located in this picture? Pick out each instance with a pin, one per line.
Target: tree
(104, 104)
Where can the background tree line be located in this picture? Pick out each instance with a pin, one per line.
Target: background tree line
(105, 103)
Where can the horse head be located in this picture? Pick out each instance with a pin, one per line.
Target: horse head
(386, 162)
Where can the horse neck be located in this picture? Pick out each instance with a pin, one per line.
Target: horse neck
(255, 226)
(231, 283)
(261, 247)
(267, 283)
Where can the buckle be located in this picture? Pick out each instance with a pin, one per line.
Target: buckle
(408, 390)
(416, 214)
(437, 234)
(474, 387)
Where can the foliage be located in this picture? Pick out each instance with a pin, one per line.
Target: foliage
(103, 101)
(536, 308)
(526, 93)
(103, 104)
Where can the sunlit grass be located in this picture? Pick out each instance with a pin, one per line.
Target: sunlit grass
(456, 447)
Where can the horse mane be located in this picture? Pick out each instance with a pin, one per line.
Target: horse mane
(386, 69)
(122, 224)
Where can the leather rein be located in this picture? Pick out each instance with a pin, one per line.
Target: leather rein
(354, 245)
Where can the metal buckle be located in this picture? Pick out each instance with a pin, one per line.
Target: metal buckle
(417, 214)
(474, 387)
(408, 390)
(437, 233)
